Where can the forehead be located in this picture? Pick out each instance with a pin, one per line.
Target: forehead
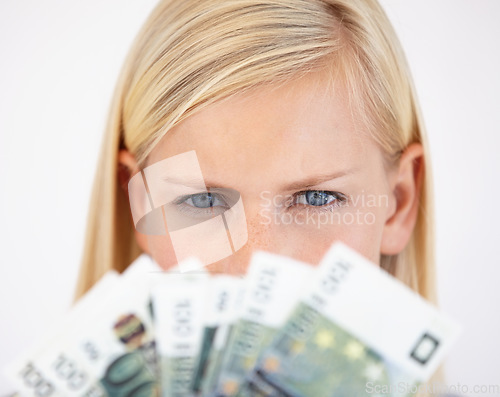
(273, 133)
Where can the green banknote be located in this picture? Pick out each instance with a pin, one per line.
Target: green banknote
(110, 351)
(356, 331)
(271, 288)
(343, 328)
(312, 356)
(215, 358)
(220, 305)
(118, 345)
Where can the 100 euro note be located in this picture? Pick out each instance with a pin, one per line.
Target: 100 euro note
(221, 338)
(109, 351)
(271, 288)
(25, 373)
(178, 305)
(223, 297)
(356, 331)
(118, 344)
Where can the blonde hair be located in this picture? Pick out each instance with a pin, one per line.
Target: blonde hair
(192, 53)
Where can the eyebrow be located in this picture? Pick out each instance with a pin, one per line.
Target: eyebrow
(301, 184)
(315, 180)
(192, 182)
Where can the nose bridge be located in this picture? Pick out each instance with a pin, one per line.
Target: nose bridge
(260, 232)
(260, 237)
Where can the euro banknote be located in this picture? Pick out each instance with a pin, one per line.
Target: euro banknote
(354, 330)
(343, 327)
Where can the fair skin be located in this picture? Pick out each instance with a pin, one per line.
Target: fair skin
(282, 148)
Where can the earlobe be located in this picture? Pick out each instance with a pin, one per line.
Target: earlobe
(406, 192)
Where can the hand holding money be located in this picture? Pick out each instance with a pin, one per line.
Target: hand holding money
(342, 328)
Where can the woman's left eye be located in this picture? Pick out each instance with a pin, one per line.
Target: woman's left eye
(318, 198)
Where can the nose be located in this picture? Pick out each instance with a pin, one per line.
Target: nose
(261, 236)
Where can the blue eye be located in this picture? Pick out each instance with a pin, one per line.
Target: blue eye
(204, 200)
(318, 198)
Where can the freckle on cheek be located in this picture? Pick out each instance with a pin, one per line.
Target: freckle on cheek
(259, 235)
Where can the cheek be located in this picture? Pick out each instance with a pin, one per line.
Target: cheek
(162, 251)
(311, 237)
(362, 229)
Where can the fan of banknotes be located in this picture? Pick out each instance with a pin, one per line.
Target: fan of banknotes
(341, 328)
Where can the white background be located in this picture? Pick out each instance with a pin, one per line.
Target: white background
(59, 61)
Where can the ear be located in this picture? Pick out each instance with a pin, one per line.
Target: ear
(127, 168)
(406, 197)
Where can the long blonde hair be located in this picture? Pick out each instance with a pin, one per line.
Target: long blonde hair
(191, 53)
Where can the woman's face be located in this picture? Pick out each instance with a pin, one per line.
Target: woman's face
(308, 175)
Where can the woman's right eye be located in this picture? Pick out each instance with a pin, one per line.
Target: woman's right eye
(204, 204)
(204, 200)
